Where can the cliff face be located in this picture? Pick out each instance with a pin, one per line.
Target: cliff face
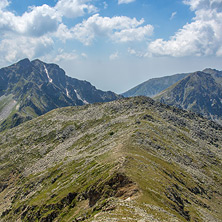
(127, 160)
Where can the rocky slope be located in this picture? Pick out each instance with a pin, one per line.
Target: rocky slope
(32, 88)
(217, 75)
(128, 160)
(154, 86)
(199, 92)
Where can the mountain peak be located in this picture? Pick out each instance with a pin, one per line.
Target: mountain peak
(37, 60)
(210, 70)
(199, 74)
(37, 87)
(24, 62)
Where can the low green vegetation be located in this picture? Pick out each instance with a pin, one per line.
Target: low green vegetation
(128, 160)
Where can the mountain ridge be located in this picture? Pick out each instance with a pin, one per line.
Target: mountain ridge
(126, 160)
(153, 86)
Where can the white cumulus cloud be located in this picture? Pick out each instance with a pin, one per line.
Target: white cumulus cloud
(114, 56)
(125, 1)
(39, 21)
(14, 48)
(201, 37)
(133, 34)
(204, 4)
(118, 28)
(3, 4)
(32, 34)
(65, 56)
(75, 8)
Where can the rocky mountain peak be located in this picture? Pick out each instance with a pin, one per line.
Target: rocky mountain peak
(23, 62)
(210, 71)
(34, 88)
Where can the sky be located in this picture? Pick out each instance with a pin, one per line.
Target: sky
(114, 44)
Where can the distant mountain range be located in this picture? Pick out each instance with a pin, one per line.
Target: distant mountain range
(199, 92)
(154, 86)
(31, 88)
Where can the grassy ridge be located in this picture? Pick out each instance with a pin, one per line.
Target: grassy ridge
(131, 159)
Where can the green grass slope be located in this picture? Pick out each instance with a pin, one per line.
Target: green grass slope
(128, 160)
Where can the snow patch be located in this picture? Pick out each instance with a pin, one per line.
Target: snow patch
(79, 97)
(46, 71)
(67, 93)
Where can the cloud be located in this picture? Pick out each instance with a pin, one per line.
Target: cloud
(14, 48)
(136, 53)
(32, 34)
(173, 15)
(114, 56)
(201, 37)
(66, 56)
(75, 8)
(118, 29)
(84, 55)
(63, 33)
(204, 4)
(3, 4)
(134, 34)
(125, 1)
(39, 21)
(105, 5)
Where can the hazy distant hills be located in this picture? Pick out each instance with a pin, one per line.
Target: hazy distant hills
(199, 92)
(154, 86)
(132, 159)
(32, 88)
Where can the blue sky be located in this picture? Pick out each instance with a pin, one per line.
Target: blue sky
(114, 44)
